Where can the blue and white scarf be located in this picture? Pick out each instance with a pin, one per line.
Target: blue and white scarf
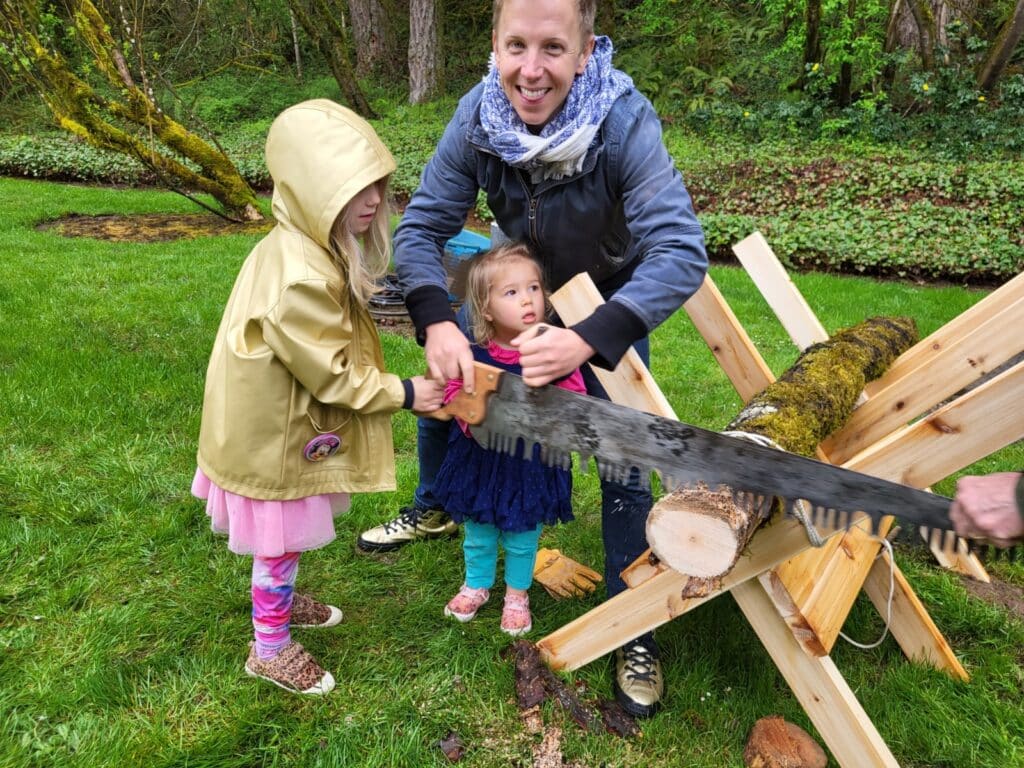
(561, 147)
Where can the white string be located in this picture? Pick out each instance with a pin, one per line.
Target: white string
(888, 606)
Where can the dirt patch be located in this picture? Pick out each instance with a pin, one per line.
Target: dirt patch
(152, 227)
(159, 228)
(1008, 596)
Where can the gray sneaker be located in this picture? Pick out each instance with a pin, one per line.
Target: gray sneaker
(411, 524)
(639, 683)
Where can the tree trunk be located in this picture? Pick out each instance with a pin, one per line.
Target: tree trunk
(295, 43)
(321, 22)
(701, 532)
(924, 20)
(424, 50)
(1001, 50)
(373, 36)
(79, 108)
(812, 41)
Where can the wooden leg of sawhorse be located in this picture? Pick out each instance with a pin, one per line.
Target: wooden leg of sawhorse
(910, 624)
(821, 690)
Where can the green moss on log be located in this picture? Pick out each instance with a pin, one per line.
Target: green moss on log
(817, 394)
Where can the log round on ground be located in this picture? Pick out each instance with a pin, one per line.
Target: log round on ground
(775, 743)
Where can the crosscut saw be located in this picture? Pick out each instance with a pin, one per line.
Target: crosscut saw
(626, 442)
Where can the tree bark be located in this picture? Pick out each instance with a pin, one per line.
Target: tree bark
(924, 20)
(321, 22)
(373, 36)
(701, 532)
(1002, 49)
(424, 50)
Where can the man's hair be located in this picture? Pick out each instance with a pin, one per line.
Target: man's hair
(587, 10)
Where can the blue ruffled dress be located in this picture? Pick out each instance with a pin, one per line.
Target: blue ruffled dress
(507, 491)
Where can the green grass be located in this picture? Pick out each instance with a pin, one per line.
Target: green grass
(124, 621)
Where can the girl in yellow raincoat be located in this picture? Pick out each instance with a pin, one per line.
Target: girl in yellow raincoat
(297, 399)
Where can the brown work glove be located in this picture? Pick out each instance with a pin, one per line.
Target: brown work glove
(562, 576)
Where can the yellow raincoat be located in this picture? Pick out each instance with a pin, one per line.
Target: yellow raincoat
(295, 355)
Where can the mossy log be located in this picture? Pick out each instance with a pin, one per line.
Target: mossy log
(701, 531)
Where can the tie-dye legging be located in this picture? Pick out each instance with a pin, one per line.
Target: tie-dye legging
(273, 584)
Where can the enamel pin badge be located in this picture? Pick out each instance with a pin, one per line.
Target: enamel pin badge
(321, 447)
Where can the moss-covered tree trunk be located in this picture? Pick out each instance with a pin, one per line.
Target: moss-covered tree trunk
(320, 21)
(702, 531)
(131, 123)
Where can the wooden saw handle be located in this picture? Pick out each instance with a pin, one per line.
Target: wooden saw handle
(471, 408)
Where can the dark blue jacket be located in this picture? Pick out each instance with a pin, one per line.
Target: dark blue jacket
(625, 218)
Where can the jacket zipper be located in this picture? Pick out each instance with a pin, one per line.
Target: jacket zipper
(531, 217)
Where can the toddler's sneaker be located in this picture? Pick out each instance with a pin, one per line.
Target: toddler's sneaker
(466, 603)
(307, 612)
(515, 616)
(292, 669)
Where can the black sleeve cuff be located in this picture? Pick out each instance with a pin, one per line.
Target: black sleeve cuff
(410, 394)
(427, 305)
(611, 330)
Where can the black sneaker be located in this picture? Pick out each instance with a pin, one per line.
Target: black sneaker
(639, 683)
(411, 524)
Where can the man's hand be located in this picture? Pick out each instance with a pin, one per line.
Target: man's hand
(448, 355)
(547, 354)
(986, 507)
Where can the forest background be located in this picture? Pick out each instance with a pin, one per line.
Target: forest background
(784, 115)
(866, 139)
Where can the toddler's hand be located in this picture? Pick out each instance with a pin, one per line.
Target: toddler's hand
(428, 394)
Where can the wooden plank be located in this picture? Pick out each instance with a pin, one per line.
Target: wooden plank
(956, 364)
(821, 690)
(960, 433)
(964, 323)
(658, 600)
(911, 626)
(774, 283)
(630, 383)
(728, 340)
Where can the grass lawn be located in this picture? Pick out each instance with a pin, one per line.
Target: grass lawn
(124, 621)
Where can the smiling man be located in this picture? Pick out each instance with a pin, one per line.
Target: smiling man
(571, 158)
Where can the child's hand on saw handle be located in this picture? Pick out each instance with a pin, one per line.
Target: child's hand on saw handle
(471, 408)
(427, 394)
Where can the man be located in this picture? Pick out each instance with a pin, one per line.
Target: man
(572, 161)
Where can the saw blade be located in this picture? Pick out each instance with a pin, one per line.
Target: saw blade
(627, 443)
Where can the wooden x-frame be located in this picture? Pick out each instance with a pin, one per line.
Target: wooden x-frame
(795, 597)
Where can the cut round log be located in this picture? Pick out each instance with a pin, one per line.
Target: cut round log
(775, 743)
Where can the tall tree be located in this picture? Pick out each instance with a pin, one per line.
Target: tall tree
(1001, 50)
(424, 50)
(322, 21)
(121, 113)
(373, 33)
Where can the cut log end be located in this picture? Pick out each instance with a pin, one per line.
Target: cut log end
(701, 532)
(775, 743)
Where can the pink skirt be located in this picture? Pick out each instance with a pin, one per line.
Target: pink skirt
(270, 528)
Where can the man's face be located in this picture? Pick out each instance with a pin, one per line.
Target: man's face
(539, 51)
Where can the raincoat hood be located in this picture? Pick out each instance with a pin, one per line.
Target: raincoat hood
(321, 155)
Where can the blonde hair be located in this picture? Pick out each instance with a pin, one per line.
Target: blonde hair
(478, 284)
(364, 261)
(587, 10)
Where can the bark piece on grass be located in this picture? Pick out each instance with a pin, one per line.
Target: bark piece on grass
(536, 683)
(775, 743)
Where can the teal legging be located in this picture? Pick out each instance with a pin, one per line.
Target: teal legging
(480, 546)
